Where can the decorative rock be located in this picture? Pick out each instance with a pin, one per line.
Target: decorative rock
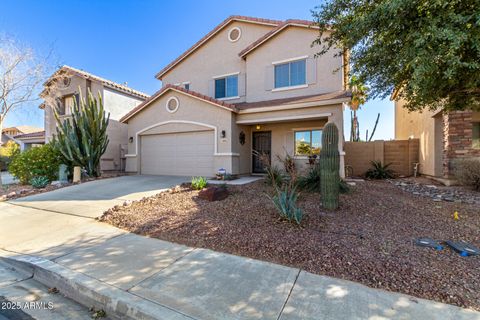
(11, 194)
(3, 198)
(213, 193)
(127, 202)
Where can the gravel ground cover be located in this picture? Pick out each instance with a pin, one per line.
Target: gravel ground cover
(369, 239)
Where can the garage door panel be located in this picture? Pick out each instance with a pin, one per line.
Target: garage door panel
(186, 154)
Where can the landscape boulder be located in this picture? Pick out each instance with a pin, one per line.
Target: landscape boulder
(213, 193)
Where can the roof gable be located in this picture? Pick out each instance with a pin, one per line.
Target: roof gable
(107, 83)
(169, 87)
(270, 35)
(211, 34)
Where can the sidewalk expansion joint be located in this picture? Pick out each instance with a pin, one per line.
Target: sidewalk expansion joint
(289, 294)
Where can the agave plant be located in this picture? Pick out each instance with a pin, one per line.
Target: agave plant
(285, 201)
(380, 171)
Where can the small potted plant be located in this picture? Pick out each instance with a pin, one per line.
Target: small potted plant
(312, 159)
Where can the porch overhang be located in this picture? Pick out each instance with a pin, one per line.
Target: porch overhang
(264, 118)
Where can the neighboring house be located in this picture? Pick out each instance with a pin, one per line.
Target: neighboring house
(249, 84)
(444, 137)
(29, 140)
(11, 133)
(65, 87)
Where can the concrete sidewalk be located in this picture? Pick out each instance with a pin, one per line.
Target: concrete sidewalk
(193, 283)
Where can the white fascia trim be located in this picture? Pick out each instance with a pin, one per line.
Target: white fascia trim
(294, 106)
(290, 60)
(301, 86)
(215, 130)
(226, 75)
(288, 118)
(228, 98)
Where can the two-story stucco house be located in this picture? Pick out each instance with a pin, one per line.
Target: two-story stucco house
(67, 84)
(248, 85)
(444, 137)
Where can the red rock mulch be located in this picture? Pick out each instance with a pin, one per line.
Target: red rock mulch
(368, 240)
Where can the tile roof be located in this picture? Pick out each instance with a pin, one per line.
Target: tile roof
(168, 87)
(295, 100)
(271, 33)
(24, 129)
(37, 134)
(212, 33)
(105, 82)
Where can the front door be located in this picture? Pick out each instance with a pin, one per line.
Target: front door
(262, 144)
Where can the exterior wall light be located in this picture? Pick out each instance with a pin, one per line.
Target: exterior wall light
(223, 134)
(130, 139)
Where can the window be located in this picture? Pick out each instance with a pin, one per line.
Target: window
(476, 135)
(69, 103)
(290, 74)
(226, 87)
(234, 34)
(65, 104)
(172, 104)
(308, 142)
(187, 85)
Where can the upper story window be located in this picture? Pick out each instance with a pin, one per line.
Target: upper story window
(308, 142)
(226, 87)
(66, 103)
(186, 85)
(290, 74)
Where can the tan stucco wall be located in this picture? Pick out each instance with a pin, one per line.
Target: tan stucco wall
(115, 103)
(217, 57)
(190, 109)
(427, 127)
(291, 43)
(283, 132)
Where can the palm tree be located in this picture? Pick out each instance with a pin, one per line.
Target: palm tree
(359, 97)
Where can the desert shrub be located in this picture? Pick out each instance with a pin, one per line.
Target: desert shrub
(311, 181)
(36, 161)
(380, 171)
(199, 183)
(39, 182)
(285, 201)
(467, 171)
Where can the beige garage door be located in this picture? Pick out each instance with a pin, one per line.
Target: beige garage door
(178, 154)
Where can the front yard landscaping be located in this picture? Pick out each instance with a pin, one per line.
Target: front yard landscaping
(369, 239)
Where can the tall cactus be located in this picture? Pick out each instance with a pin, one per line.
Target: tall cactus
(82, 139)
(329, 167)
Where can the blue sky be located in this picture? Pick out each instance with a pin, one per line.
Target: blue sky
(132, 40)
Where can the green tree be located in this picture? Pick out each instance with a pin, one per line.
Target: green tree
(83, 139)
(427, 50)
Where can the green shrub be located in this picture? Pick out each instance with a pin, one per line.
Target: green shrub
(39, 182)
(380, 171)
(36, 161)
(467, 171)
(285, 201)
(198, 183)
(7, 152)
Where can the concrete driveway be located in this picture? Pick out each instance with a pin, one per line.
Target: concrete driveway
(91, 199)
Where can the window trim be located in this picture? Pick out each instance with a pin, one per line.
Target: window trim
(230, 32)
(295, 130)
(289, 87)
(168, 101)
(290, 60)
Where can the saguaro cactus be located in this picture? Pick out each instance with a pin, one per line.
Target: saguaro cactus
(329, 167)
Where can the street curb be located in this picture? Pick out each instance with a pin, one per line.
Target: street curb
(90, 292)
